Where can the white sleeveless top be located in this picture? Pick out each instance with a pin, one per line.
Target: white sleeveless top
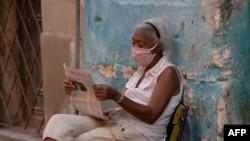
(156, 131)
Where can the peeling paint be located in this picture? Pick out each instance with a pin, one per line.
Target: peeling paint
(227, 54)
(217, 19)
(192, 75)
(107, 70)
(211, 14)
(218, 138)
(222, 12)
(226, 71)
(218, 60)
(190, 95)
(231, 9)
(128, 72)
(92, 65)
(194, 54)
(225, 87)
(204, 139)
(212, 79)
(221, 118)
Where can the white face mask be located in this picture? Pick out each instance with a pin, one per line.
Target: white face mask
(143, 56)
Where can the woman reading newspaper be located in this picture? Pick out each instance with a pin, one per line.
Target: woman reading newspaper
(149, 99)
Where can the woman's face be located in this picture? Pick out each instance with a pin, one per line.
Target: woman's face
(143, 39)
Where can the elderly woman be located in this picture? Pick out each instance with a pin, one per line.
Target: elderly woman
(148, 102)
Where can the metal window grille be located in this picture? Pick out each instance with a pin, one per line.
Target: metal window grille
(21, 99)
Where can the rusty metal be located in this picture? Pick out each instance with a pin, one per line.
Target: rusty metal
(21, 93)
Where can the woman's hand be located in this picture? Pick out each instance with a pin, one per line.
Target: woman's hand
(68, 86)
(103, 91)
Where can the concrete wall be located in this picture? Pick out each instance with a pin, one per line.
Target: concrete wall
(58, 47)
(212, 50)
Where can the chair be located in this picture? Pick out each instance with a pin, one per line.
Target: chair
(177, 123)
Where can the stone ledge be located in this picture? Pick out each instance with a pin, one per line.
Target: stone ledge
(8, 134)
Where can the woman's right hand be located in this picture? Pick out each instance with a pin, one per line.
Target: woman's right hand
(68, 86)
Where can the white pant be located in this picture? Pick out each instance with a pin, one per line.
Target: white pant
(64, 127)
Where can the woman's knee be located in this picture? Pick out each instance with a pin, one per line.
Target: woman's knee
(57, 119)
(56, 128)
(56, 122)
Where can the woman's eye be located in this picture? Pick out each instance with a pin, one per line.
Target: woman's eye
(140, 44)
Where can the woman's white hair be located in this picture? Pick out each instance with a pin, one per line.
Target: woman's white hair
(165, 31)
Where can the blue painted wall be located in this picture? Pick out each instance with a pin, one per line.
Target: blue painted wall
(212, 49)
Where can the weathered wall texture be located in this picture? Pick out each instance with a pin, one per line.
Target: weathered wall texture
(212, 50)
(57, 47)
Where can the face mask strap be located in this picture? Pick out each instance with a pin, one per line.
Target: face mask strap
(153, 48)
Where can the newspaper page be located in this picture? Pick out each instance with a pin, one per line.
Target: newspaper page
(83, 99)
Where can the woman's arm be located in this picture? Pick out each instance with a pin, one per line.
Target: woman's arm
(167, 86)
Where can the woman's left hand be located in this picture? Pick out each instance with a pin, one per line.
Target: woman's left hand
(103, 91)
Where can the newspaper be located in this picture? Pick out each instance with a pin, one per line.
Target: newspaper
(83, 99)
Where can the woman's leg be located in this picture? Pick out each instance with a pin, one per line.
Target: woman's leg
(121, 131)
(65, 127)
